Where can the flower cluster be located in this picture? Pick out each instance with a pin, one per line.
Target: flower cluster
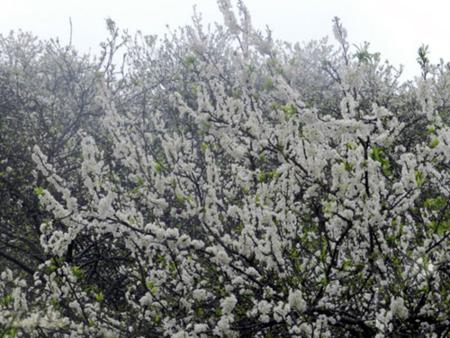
(239, 186)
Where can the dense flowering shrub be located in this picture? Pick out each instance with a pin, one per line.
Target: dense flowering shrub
(231, 185)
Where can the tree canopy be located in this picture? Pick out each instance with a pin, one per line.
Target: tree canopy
(218, 182)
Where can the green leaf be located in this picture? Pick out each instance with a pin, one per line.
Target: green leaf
(39, 191)
(152, 288)
(431, 129)
(76, 270)
(172, 267)
(257, 199)
(275, 106)
(159, 167)
(189, 60)
(419, 178)
(289, 110)
(346, 264)
(11, 332)
(6, 300)
(273, 174)
(239, 228)
(180, 198)
(378, 154)
(439, 228)
(158, 318)
(433, 143)
(435, 203)
(203, 147)
(261, 177)
(199, 312)
(99, 297)
(50, 269)
(161, 259)
(54, 302)
(348, 166)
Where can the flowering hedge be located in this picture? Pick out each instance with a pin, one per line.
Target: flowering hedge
(233, 185)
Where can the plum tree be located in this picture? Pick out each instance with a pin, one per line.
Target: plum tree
(234, 185)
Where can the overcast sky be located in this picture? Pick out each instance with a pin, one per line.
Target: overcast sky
(396, 28)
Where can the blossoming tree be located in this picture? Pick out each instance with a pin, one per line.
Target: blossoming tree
(240, 186)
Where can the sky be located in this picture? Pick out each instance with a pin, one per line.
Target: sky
(395, 28)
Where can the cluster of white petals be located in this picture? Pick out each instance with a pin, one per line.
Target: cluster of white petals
(246, 192)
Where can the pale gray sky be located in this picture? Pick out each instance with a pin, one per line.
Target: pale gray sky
(396, 28)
